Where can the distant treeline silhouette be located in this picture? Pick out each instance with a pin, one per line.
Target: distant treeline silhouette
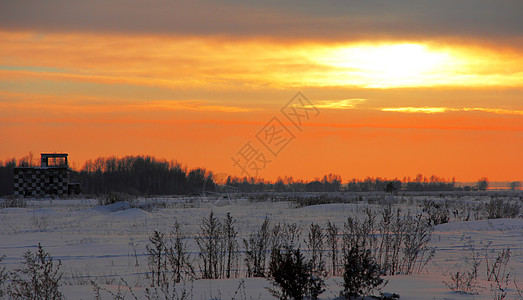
(333, 182)
(136, 175)
(147, 175)
(6, 176)
(141, 175)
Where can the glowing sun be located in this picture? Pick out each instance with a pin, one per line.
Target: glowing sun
(387, 65)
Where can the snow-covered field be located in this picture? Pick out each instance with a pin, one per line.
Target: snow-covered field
(106, 243)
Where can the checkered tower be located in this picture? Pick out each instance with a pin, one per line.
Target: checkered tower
(51, 178)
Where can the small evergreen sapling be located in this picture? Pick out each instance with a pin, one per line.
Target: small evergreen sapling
(361, 274)
(293, 276)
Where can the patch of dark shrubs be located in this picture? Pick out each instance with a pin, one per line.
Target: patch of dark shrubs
(437, 213)
(497, 209)
(293, 277)
(3, 278)
(114, 197)
(13, 202)
(303, 201)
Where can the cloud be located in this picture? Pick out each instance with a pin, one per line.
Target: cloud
(189, 106)
(426, 110)
(295, 19)
(498, 111)
(433, 110)
(222, 63)
(85, 104)
(339, 104)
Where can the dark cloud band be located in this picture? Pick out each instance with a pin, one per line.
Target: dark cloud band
(303, 19)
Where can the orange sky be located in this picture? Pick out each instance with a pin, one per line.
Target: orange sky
(388, 106)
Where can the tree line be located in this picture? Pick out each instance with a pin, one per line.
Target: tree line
(333, 183)
(137, 175)
(141, 175)
(147, 175)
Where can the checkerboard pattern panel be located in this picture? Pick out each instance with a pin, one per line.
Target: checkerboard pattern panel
(40, 182)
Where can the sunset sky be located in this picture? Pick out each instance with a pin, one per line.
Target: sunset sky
(388, 88)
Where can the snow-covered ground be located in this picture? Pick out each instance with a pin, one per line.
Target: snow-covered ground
(107, 243)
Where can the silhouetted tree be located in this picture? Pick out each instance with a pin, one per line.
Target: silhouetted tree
(483, 183)
(514, 185)
(390, 188)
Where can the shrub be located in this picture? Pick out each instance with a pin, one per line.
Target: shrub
(157, 256)
(416, 253)
(114, 197)
(13, 202)
(178, 256)
(315, 245)
(293, 276)
(40, 221)
(332, 241)
(437, 213)
(153, 293)
(498, 274)
(256, 249)
(465, 282)
(285, 235)
(462, 282)
(497, 208)
(119, 295)
(168, 258)
(39, 280)
(303, 201)
(316, 263)
(3, 277)
(211, 246)
(361, 273)
(229, 235)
